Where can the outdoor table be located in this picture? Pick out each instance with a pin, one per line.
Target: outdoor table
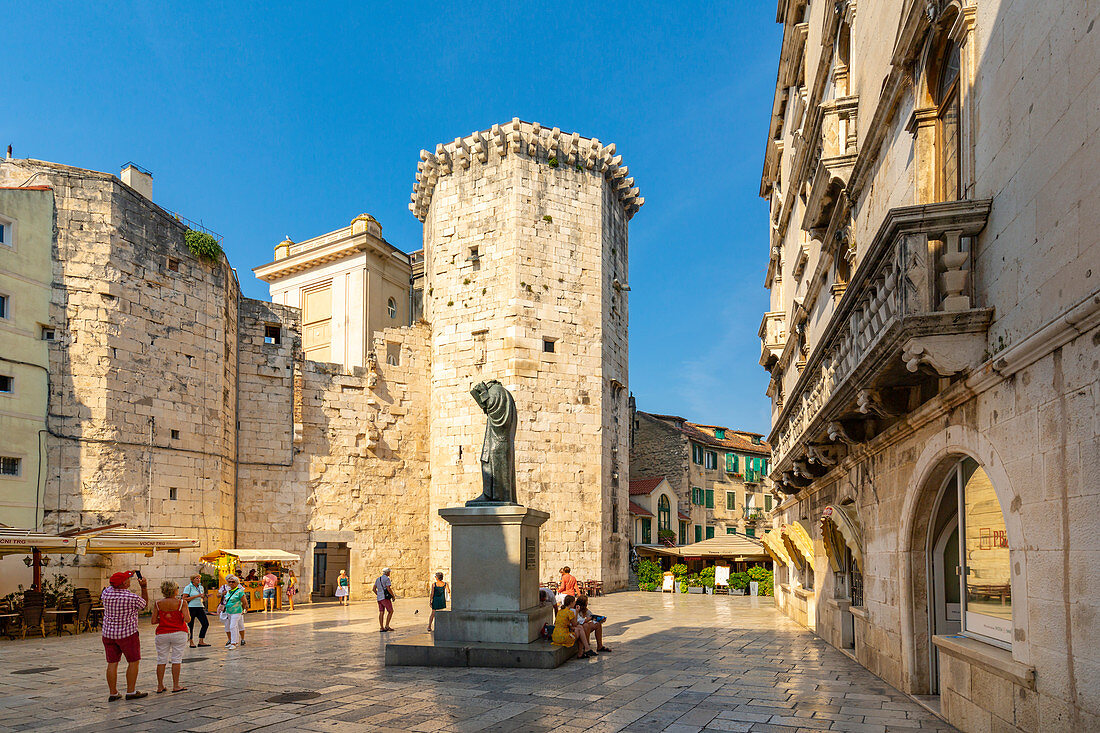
(6, 624)
(58, 614)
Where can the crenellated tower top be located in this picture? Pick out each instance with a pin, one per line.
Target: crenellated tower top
(523, 138)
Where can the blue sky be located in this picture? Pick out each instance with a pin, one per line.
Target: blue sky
(264, 123)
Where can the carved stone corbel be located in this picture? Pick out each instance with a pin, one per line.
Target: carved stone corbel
(839, 434)
(871, 402)
(802, 468)
(824, 455)
(946, 354)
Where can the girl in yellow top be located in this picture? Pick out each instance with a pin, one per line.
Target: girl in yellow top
(567, 631)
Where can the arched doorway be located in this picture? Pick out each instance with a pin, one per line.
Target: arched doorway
(968, 567)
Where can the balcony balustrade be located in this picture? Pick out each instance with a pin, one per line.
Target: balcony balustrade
(905, 319)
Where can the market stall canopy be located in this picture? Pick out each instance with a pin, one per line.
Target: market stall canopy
(117, 539)
(253, 555)
(773, 543)
(839, 529)
(14, 541)
(798, 543)
(733, 546)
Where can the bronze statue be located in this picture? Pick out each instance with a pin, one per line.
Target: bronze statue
(498, 452)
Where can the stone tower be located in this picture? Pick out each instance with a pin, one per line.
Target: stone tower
(525, 262)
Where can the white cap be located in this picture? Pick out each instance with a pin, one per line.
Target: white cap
(386, 571)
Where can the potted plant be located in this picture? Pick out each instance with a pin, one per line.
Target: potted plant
(649, 575)
(706, 577)
(695, 584)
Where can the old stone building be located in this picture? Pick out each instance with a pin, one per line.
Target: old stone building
(349, 284)
(717, 473)
(932, 344)
(178, 405)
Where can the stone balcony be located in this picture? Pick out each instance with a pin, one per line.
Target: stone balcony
(773, 338)
(905, 321)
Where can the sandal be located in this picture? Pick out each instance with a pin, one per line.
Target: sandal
(136, 695)
(602, 649)
(201, 644)
(182, 689)
(113, 698)
(192, 645)
(163, 689)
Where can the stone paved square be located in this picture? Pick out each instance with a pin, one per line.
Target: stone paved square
(679, 663)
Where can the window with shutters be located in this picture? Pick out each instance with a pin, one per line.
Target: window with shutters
(697, 454)
(731, 501)
(710, 459)
(683, 533)
(710, 533)
(731, 462)
(731, 530)
(698, 533)
(710, 498)
(767, 502)
(720, 433)
(646, 530)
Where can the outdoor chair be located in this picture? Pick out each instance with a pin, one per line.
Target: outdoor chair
(33, 616)
(83, 613)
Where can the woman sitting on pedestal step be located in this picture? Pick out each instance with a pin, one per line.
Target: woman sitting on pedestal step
(567, 631)
(591, 622)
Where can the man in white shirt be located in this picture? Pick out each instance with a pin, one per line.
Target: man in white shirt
(385, 605)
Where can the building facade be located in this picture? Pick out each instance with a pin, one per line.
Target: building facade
(932, 342)
(26, 236)
(349, 284)
(717, 473)
(178, 405)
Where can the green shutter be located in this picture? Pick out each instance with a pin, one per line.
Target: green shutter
(750, 531)
(646, 528)
(720, 434)
(698, 533)
(710, 498)
(731, 530)
(710, 532)
(683, 533)
(767, 502)
(731, 501)
(735, 462)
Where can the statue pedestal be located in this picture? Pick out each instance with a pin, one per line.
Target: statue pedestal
(494, 575)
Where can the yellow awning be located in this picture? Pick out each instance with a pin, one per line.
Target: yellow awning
(837, 526)
(774, 545)
(253, 555)
(739, 548)
(798, 542)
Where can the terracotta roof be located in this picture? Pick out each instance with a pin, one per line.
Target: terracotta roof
(732, 441)
(683, 515)
(644, 486)
(635, 509)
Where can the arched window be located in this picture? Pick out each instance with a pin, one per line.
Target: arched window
(948, 112)
(972, 556)
(391, 306)
(664, 514)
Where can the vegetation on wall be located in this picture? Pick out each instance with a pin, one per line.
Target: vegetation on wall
(202, 245)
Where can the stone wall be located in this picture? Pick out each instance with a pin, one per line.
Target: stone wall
(140, 352)
(359, 472)
(661, 450)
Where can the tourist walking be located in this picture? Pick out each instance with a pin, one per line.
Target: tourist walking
(195, 595)
(120, 632)
(271, 589)
(291, 588)
(343, 588)
(383, 589)
(439, 598)
(567, 630)
(232, 611)
(170, 616)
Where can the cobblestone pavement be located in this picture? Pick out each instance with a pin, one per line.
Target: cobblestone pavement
(679, 663)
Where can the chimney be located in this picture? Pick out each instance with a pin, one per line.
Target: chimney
(138, 179)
